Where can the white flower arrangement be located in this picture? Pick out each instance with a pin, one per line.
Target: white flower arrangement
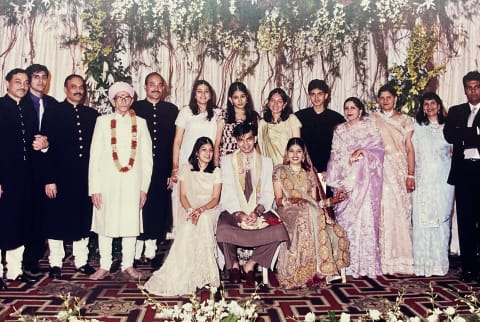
(209, 310)
(222, 310)
(70, 312)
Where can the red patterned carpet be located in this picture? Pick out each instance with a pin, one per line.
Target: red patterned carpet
(117, 299)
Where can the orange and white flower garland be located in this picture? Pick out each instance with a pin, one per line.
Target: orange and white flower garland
(133, 147)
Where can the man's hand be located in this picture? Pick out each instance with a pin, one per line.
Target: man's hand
(143, 199)
(241, 216)
(51, 190)
(1, 191)
(40, 142)
(252, 219)
(97, 200)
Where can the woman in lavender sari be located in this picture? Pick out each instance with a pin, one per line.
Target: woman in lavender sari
(355, 167)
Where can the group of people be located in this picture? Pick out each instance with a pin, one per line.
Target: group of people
(365, 194)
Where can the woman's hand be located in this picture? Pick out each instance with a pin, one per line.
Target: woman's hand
(356, 155)
(340, 196)
(173, 177)
(296, 201)
(195, 215)
(410, 183)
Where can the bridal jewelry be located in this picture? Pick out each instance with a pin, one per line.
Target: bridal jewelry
(133, 146)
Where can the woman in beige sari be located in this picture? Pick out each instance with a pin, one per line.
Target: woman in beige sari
(396, 130)
(318, 246)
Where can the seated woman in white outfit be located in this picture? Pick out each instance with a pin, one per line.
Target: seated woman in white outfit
(191, 262)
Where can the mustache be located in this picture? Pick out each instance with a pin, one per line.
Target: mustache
(77, 94)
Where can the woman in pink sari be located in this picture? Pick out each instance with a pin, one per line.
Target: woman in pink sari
(398, 182)
(355, 167)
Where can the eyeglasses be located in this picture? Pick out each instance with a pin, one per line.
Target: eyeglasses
(124, 99)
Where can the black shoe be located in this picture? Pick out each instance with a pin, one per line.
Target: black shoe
(137, 262)
(55, 273)
(26, 278)
(33, 270)
(86, 269)
(156, 263)
(234, 276)
(115, 267)
(250, 279)
(3, 285)
(272, 279)
(468, 276)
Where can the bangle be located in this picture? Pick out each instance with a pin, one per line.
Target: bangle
(411, 176)
(325, 203)
(189, 211)
(279, 202)
(202, 209)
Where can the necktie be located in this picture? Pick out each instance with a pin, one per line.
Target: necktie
(40, 113)
(248, 184)
(472, 115)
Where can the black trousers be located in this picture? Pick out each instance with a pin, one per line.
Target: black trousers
(467, 194)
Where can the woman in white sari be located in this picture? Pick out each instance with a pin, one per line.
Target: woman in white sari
(192, 260)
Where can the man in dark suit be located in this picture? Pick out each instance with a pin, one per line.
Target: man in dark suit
(67, 212)
(462, 129)
(18, 129)
(37, 98)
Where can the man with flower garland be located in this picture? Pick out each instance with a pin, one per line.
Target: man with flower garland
(247, 198)
(119, 176)
(67, 210)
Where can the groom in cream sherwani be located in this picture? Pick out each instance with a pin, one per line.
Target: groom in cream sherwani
(247, 197)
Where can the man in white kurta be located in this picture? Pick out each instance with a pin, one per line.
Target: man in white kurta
(119, 176)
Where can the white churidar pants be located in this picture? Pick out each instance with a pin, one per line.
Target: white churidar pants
(105, 247)
(57, 252)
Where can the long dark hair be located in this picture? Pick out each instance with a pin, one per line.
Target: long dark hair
(193, 158)
(300, 143)
(421, 116)
(211, 102)
(287, 110)
(251, 115)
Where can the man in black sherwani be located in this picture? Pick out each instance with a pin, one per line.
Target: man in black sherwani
(157, 212)
(18, 129)
(67, 214)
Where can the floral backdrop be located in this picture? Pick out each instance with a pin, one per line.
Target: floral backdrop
(356, 45)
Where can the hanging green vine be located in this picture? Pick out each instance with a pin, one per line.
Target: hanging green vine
(412, 77)
(290, 34)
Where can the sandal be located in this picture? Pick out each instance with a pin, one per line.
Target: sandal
(100, 274)
(133, 273)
